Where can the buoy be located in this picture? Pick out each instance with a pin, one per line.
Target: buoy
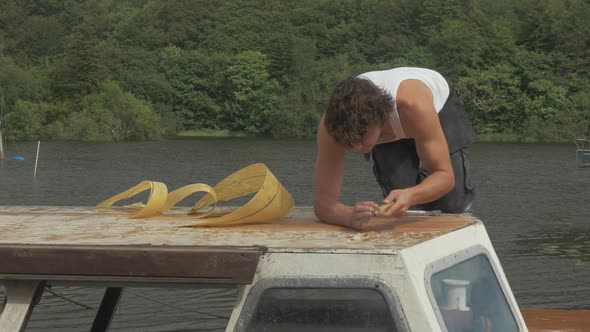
(19, 158)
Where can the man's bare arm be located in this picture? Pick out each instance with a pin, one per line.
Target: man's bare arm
(329, 174)
(421, 122)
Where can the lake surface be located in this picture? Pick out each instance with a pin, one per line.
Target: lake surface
(533, 199)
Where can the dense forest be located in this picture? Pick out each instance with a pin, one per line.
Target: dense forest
(143, 69)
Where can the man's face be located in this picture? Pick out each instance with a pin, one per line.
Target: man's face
(368, 141)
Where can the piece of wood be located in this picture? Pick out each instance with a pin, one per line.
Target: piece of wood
(223, 265)
(1, 143)
(21, 297)
(37, 159)
(544, 320)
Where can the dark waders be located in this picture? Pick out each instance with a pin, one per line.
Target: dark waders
(397, 166)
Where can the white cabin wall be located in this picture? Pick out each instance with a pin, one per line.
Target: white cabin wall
(243, 292)
(386, 268)
(418, 257)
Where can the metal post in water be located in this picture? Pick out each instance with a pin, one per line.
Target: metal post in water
(37, 159)
(2, 107)
(1, 144)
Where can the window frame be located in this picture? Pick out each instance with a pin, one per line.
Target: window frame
(389, 295)
(456, 259)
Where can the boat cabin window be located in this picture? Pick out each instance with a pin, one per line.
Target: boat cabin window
(321, 309)
(470, 298)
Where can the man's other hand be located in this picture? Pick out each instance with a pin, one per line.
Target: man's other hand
(361, 214)
(402, 200)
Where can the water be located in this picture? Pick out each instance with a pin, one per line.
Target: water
(533, 199)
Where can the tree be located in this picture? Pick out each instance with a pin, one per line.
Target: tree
(456, 48)
(267, 66)
(196, 86)
(43, 37)
(493, 99)
(252, 94)
(80, 70)
(115, 115)
(24, 121)
(16, 83)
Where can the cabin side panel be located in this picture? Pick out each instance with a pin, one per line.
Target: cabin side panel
(458, 250)
(325, 271)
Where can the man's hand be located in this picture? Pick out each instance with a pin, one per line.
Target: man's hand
(361, 214)
(402, 200)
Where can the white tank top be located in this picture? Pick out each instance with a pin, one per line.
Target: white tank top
(389, 81)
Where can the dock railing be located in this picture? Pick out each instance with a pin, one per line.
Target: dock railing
(582, 144)
(583, 152)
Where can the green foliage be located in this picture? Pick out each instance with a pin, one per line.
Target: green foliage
(82, 127)
(196, 86)
(15, 83)
(494, 98)
(79, 71)
(293, 119)
(253, 94)
(139, 72)
(458, 46)
(580, 113)
(211, 133)
(112, 114)
(29, 120)
(24, 121)
(42, 38)
(266, 67)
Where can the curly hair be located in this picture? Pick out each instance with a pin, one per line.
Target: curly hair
(355, 106)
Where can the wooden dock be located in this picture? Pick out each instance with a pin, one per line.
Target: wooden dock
(542, 320)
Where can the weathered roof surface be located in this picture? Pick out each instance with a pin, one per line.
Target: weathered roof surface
(55, 225)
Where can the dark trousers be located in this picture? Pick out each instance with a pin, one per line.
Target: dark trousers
(397, 166)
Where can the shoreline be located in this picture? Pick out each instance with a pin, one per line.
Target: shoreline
(227, 134)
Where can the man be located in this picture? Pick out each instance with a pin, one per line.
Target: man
(410, 122)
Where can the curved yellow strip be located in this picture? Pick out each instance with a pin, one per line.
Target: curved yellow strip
(243, 182)
(270, 203)
(181, 193)
(154, 205)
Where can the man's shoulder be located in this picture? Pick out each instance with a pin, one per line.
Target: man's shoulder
(411, 92)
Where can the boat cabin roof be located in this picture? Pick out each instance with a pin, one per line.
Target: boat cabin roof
(86, 244)
(56, 225)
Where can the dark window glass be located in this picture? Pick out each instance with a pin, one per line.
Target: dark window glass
(322, 309)
(470, 298)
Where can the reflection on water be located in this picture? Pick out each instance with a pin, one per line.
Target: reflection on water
(560, 236)
(570, 243)
(525, 194)
(533, 199)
